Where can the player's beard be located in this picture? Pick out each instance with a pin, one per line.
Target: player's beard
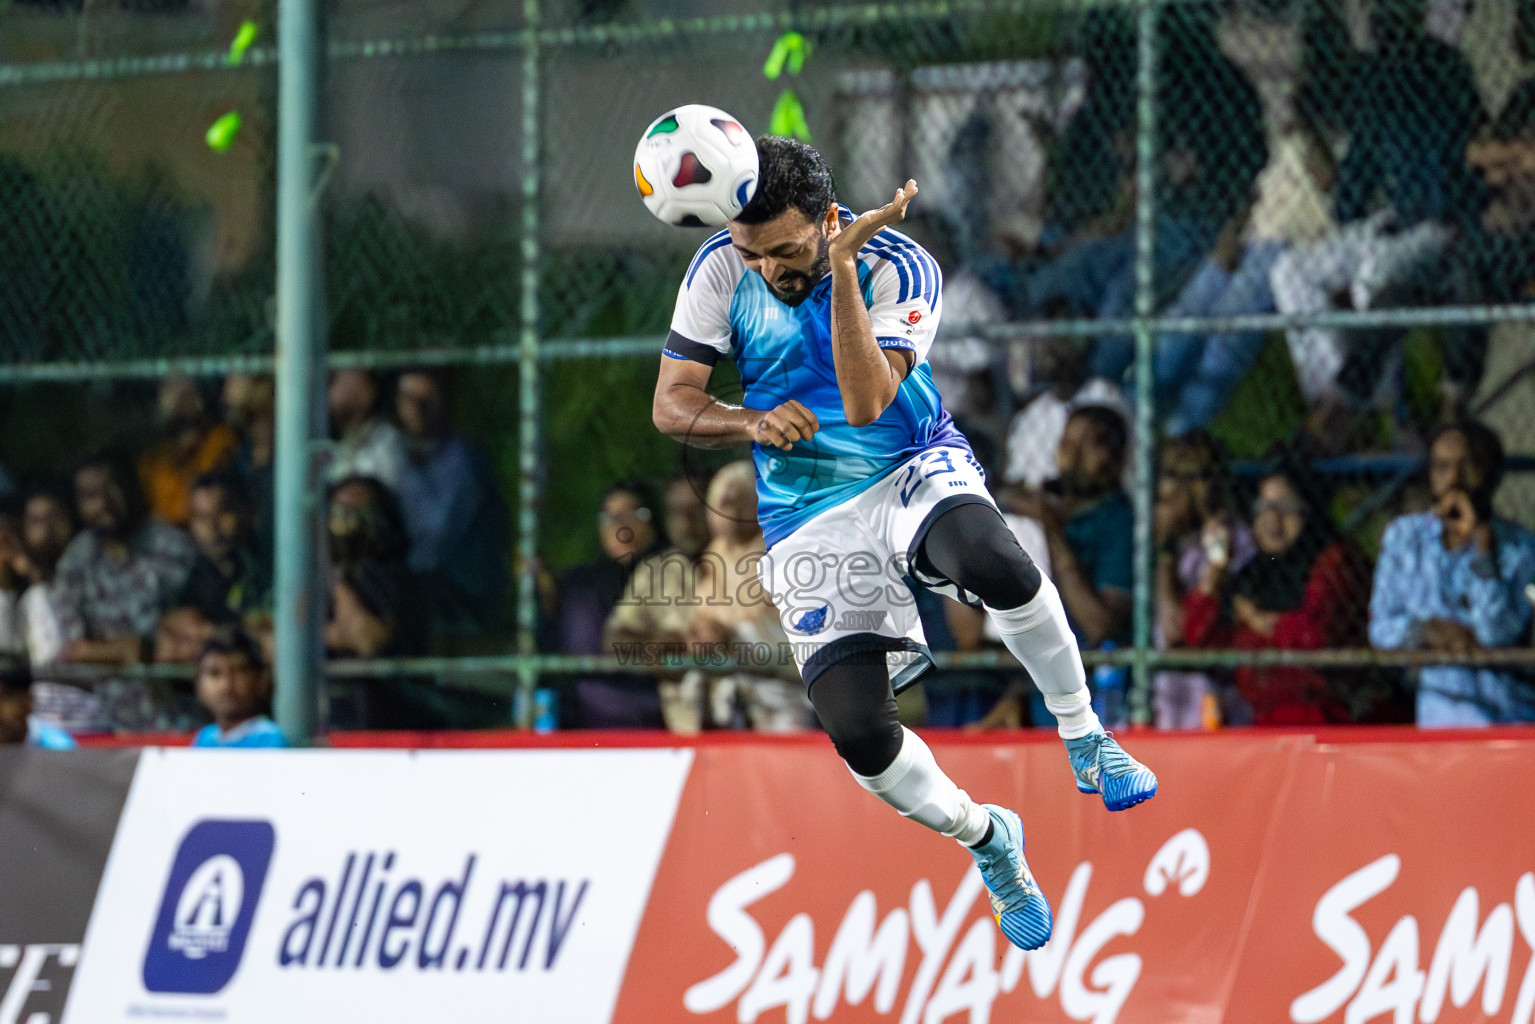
(799, 285)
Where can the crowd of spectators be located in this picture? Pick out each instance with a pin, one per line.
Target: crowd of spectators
(669, 586)
(1249, 558)
(1260, 562)
(167, 557)
(1368, 173)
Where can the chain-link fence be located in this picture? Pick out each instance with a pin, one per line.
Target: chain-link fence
(1283, 242)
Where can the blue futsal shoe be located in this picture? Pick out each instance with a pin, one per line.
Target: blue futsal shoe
(1019, 907)
(1102, 766)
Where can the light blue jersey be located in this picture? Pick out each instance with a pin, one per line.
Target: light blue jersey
(784, 353)
(48, 737)
(257, 732)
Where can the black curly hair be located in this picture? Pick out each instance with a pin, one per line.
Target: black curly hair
(231, 639)
(790, 175)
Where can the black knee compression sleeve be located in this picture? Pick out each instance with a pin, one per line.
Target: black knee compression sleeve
(972, 547)
(852, 699)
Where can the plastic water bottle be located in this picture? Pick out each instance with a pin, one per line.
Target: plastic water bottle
(1109, 690)
(545, 715)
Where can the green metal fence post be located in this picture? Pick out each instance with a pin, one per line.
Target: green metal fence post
(529, 441)
(300, 356)
(1139, 697)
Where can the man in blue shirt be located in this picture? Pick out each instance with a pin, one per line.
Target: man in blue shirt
(1452, 579)
(863, 481)
(459, 531)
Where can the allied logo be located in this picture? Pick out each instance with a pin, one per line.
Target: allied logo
(208, 905)
(914, 316)
(208, 908)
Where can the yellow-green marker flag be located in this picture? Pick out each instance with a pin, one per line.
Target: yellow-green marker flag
(788, 118)
(221, 135)
(791, 49)
(242, 42)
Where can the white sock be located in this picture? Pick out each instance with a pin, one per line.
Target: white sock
(1041, 640)
(918, 788)
(1074, 714)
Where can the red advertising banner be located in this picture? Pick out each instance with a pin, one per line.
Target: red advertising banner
(1275, 877)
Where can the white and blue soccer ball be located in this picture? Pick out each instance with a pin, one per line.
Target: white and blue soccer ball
(696, 166)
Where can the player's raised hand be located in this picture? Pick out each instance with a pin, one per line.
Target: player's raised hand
(788, 423)
(854, 236)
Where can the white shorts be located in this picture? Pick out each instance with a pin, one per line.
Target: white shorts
(840, 582)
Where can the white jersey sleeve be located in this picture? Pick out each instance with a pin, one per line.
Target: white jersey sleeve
(907, 294)
(701, 321)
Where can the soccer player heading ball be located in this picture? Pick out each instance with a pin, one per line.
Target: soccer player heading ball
(862, 477)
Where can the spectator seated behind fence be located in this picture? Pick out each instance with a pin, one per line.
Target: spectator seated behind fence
(584, 598)
(227, 584)
(45, 529)
(687, 513)
(1505, 158)
(375, 609)
(652, 617)
(661, 591)
(580, 600)
(13, 581)
(1452, 579)
(250, 409)
(737, 617)
(114, 581)
(191, 443)
(366, 444)
(1304, 590)
(459, 534)
(1034, 436)
(1194, 525)
(17, 722)
(1404, 193)
(1088, 525)
(234, 686)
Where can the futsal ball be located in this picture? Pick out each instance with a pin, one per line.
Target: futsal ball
(696, 166)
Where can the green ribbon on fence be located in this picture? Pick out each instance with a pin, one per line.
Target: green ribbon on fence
(788, 118)
(242, 42)
(790, 48)
(221, 134)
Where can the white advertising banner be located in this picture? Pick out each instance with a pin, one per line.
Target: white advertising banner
(257, 886)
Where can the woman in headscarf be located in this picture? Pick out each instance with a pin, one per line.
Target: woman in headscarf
(1305, 589)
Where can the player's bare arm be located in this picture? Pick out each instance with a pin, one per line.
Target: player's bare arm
(684, 410)
(867, 375)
